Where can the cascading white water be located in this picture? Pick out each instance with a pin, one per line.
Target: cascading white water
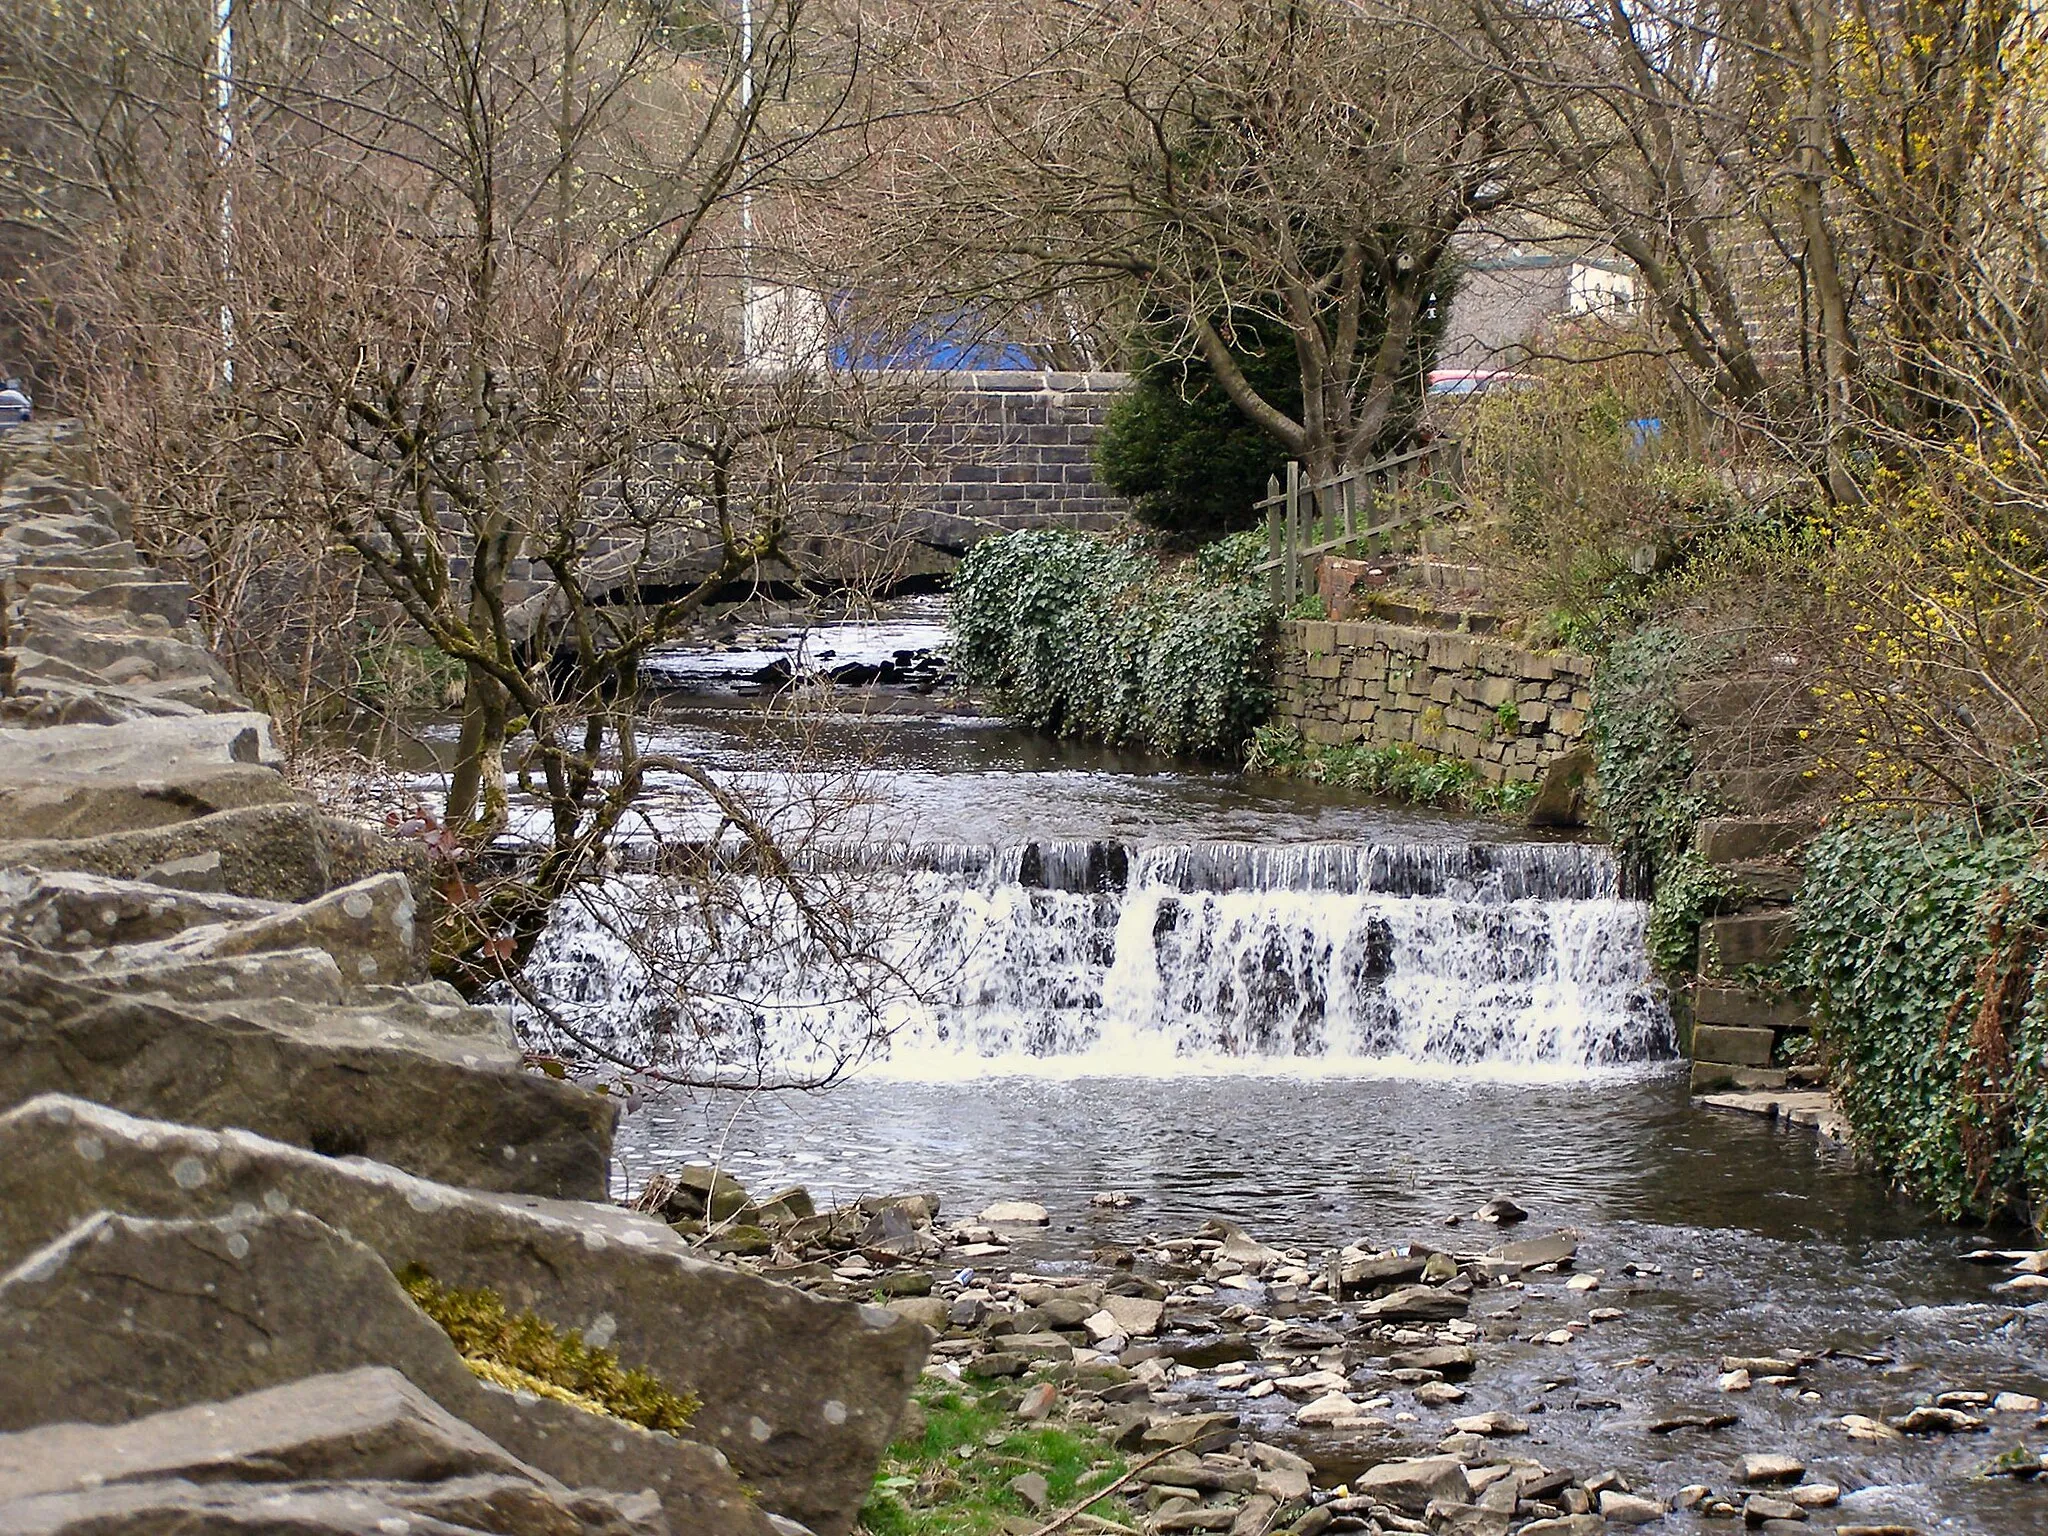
(1480, 959)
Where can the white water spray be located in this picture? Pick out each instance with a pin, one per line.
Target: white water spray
(1497, 960)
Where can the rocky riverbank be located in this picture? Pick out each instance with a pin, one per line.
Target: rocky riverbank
(291, 1237)
(1233, 1386)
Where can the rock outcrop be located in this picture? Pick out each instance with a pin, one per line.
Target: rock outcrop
(824, 1379)
(234, 1107)
(362, 1451)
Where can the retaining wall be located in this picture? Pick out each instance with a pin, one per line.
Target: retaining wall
(1506, 710)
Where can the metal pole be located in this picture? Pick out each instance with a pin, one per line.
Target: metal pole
(223, 149)
(747, 337)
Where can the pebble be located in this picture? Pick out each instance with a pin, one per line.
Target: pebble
(1815, 1495)
(1768, 1467)
(1734, 1381)
(2015, 1402)
(1583, 1283)
(1629, 1509)
(1861, 1428)
(1015, 1213)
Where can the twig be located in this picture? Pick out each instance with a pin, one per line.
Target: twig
(1103, 1493)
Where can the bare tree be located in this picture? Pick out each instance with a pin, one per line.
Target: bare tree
(447, 297)
(1183, 165)
(1790, 182)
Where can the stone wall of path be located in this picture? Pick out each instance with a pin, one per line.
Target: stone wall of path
(1506, 710)
(234, 1107)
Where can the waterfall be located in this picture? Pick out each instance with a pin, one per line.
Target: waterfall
(1104, 957)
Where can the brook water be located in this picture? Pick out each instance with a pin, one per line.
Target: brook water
(1331, 1022)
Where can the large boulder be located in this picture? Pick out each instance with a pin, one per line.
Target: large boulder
(803, 1393)
(362, 1451)
(462, 1109)
(122, 1318)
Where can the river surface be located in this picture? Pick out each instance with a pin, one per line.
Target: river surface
(1331, 1021)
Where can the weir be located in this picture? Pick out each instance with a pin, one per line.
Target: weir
(1103, 957)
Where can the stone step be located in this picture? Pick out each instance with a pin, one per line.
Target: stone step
(264, 1298)
(1719, 1003)
(1715, 1076)
(1744, 704)
(1738, 839)
(801, 1392)
(1732, 1045)
(170, 601)
(343, 1081)
(1767, 791)
(1765, 880)
(1729, 944)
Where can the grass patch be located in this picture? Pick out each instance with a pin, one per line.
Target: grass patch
(1396, 771)
(953, 1479)
(519, 1351)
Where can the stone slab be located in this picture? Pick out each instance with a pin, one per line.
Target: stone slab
(122, 1318)
(87, 805)
(1728, 944)
(462, 1110)
(770, 1362)
(1733, 1045)
(1715, 1002)
(138, 749)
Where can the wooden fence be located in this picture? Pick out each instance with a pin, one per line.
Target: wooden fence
(1354, 512)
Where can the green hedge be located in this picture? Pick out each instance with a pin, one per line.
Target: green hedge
(1895, 918)
(1092, 639)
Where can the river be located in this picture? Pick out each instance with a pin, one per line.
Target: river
(1330, 1021)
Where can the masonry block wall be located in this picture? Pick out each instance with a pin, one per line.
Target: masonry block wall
(984, 452)
(1506, 710)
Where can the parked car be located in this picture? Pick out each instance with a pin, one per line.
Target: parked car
(15, 405)
(1454, 382)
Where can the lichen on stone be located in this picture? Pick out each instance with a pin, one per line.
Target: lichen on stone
(522, 1352)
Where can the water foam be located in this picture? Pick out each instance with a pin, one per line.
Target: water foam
(1515, 961)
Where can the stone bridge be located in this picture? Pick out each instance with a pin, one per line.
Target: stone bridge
(964, 456)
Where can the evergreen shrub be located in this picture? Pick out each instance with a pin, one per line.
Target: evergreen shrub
(1921, 945)
(1092, 639)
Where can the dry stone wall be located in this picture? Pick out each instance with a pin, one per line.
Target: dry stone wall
(1506, 710)
(234, 1108)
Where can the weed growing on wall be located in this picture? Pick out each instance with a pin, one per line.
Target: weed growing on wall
(1395, 770)
(1092, 639)
(1921, 945)
(1646, 793)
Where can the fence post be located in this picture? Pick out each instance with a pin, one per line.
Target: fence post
(1293, 532)
(1350, 492)
(1275, 581)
